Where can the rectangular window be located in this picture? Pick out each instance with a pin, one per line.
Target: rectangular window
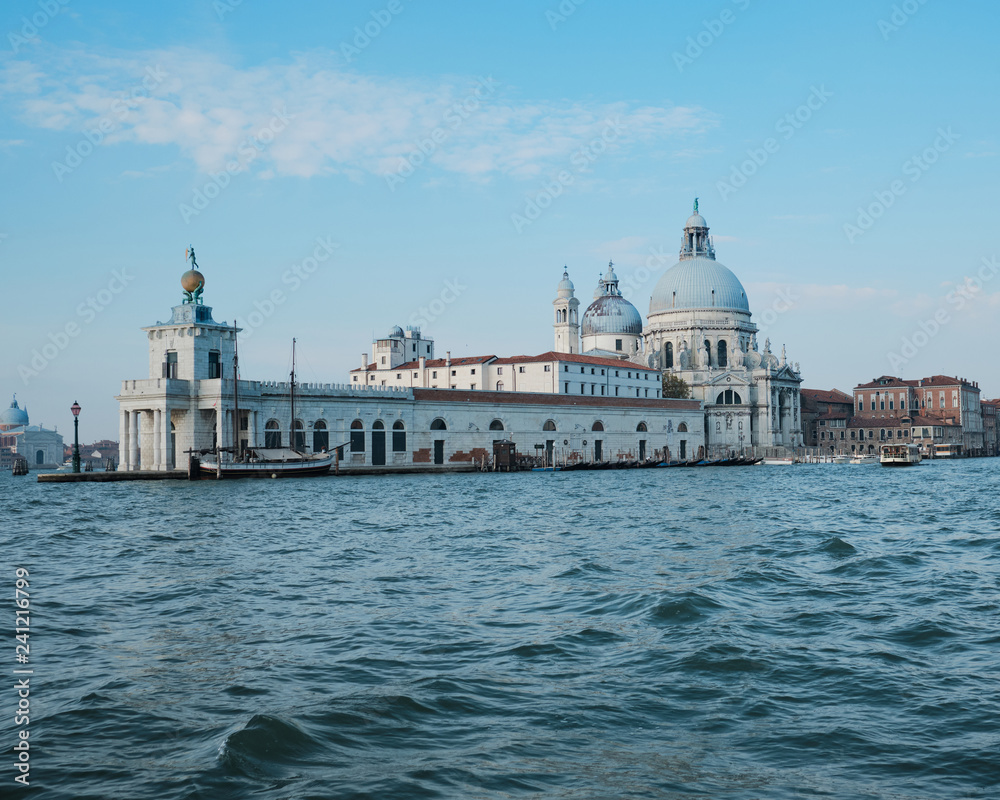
(399, 376)
(454, 373)
(473, 386)
(414, 348)
(602, 390)
(428, 349)
(434, 374)
(170, 365)
(416, 374)
(548, 368)
(566, 387)
(873, 402)
(473, 372)
(616, 391)
(398, 441)
(616, 374)
(890, 404)
(214, 365)
(618, 344)
(566, 368)
(383, 359)
(499, 370)
(520, 370)
(583, 388)
(591, 388)
(602, 371)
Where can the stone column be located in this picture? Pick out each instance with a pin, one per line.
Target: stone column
(157, 426)
(133, 440)
(165, 451)
(252, 429)
(123, 432)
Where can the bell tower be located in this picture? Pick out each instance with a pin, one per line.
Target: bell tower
(567, 317)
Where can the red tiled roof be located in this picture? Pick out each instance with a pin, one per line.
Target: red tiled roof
(889, 380)
(834, 415)
(944, 380)
(545, 399)
(433, 362)
(575, 358)
(824, 396)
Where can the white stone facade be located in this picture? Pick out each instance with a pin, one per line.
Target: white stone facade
(187, 403)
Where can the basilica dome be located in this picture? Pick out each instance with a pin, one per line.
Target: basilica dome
(14, 416)
(698, 282)
(610, 312)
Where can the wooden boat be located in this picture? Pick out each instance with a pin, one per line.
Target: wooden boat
(263, 462)
(899, 455)
(19, 467)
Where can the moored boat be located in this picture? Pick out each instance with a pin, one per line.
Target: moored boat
(899, 455)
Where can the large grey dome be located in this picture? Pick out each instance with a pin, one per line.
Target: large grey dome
(698, 283)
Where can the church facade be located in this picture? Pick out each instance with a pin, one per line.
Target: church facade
(699, 329)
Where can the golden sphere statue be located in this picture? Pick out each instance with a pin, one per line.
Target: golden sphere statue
(191, 280)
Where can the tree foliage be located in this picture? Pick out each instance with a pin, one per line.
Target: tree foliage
(675, 386)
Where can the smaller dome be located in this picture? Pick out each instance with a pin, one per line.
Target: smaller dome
(191, 280)
(696, 221)
(565, 287)
(14, 416)
(396, 333)
(612, 313)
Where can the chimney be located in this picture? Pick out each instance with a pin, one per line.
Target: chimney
(364, 361)
(423, 371)
(447, 359)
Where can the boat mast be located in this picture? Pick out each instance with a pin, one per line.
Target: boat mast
(291, 387)
(237, 449)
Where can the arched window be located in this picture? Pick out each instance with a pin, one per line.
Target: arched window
(39, 457)
(549, 426)
(499, 386)
(722, 353)
(881, 435)
(299, 442)
(398, 436)
(682, 428)
(321, 436)
(378, 425)
(357, 436)
(272, 433)
(708, 353)
(496, 425)
(439, 425)
(641, 427)
(597, 426)
(668, 355)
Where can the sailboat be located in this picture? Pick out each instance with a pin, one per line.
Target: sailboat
(264, 462)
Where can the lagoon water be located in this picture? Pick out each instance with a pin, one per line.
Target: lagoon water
(817, 631)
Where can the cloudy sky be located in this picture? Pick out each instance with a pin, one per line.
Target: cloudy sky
(442, 162)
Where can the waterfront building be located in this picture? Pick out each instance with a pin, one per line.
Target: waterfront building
(41, 447)
(700, 329)
(824, 419)
(991, 445)
(928, 411)
(611, 410)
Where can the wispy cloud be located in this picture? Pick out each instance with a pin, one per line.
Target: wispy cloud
(342, 122)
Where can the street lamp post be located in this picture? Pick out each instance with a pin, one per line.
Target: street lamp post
(75, 408)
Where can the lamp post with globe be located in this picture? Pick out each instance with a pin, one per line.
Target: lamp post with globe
(75, 408)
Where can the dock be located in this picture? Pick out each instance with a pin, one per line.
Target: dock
(108, 477)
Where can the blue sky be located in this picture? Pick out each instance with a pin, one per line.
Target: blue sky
(419, 151)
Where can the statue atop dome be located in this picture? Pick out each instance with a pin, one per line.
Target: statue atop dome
(192, 281)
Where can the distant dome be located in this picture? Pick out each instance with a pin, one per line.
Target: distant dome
(396, 333)
(14, 416)
(698, 283)
(611, 313)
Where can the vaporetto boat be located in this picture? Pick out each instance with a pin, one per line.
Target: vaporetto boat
(899, 455)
